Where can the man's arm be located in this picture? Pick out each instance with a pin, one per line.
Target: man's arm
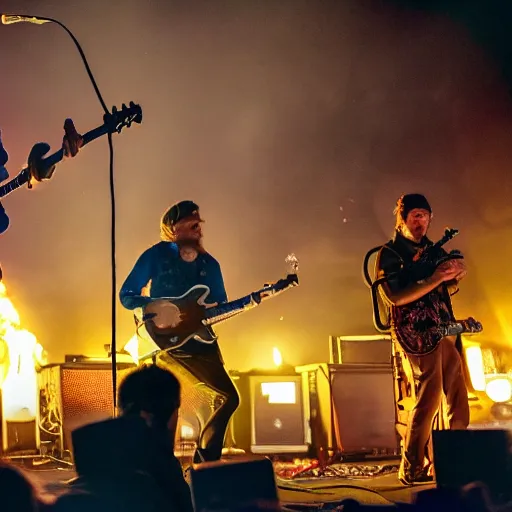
(388, 263)
(131, 292)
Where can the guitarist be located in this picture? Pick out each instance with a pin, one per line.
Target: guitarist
(441, 370)
(169, 269)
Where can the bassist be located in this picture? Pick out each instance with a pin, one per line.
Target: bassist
(441, 369)
(169, 269)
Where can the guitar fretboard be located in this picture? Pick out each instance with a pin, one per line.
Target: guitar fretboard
(451, 329)
(21, 179)
(229, 309)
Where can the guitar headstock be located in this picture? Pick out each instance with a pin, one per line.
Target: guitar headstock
(449, 233)
(119, 119)
(279, 286)
(472, 326)
(293, 263)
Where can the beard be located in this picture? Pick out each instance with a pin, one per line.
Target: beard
(191, 243)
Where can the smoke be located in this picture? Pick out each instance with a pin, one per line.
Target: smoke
(294, 125)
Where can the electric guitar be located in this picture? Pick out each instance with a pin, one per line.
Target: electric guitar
(420, 325)
(422, 337)
(112, 123)
(189, 316)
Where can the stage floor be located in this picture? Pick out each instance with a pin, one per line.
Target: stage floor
(382, 489)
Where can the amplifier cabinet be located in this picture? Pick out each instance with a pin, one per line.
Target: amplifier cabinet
(278, 414)
(352, 407)
(72, 395)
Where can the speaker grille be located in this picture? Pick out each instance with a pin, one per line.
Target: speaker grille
(86, 396)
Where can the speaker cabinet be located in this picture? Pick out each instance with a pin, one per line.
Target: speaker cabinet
(352, 407)
(465, 456)
(19, 436)
(234, 485)
(72, 395)
(279, 423)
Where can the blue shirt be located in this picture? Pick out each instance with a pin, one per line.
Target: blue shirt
(171, 276)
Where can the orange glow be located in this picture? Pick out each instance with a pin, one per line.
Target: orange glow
(277, 357)
(20, 353)
(474, 360)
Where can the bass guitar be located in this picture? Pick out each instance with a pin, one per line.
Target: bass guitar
(113, 122)
(189, 316)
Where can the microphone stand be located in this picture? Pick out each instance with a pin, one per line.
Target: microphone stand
(9, 19)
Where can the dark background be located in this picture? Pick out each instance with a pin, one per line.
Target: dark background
(294, 124)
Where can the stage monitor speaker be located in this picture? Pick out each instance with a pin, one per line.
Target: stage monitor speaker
(72, 395)
(465, 456)
(234, 485)
(278, 414)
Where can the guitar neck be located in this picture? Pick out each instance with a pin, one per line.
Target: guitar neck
(21, 179)
(230, 309)
(451, 329)
(235, 307)
(24, 176)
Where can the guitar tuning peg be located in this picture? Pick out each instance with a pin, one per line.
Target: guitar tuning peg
(124, 107)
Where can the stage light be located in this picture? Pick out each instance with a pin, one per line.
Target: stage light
(475, 362)
(187, 432)
(499, 389)
(279, 392)
(277, 357)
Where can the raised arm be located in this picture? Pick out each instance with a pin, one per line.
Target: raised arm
(131, 292)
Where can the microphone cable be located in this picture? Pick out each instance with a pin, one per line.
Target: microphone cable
(7, 19)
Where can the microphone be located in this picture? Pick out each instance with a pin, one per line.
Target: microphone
(9, 19)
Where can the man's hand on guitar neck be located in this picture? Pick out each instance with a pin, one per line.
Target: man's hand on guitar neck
(72, 141)
(71, 144)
